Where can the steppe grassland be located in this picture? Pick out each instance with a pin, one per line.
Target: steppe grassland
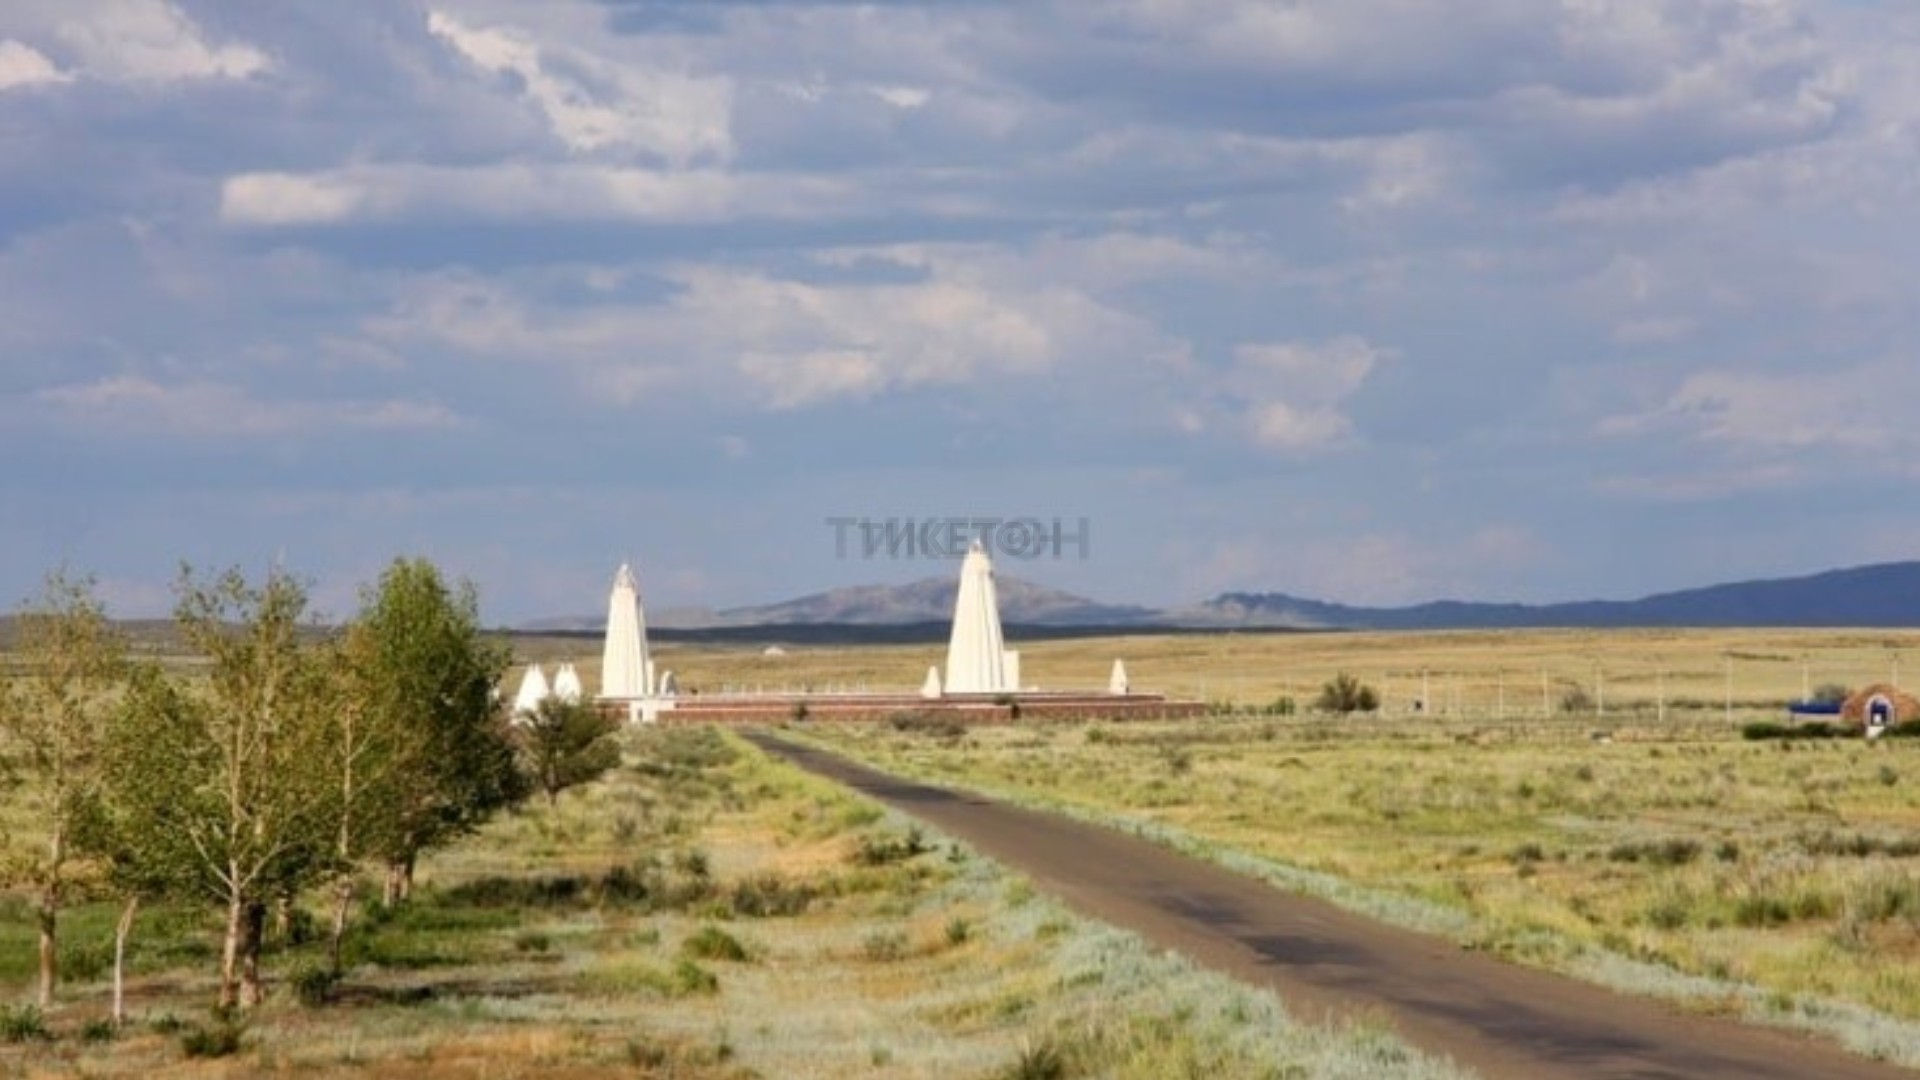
(702, 912)
(1786, 875)
(1507, 673)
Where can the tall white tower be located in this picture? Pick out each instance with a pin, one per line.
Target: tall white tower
(977, 655)
(625, 671)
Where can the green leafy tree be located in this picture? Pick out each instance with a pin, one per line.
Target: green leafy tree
(438, 759)
(54, 715)
(143, 857)
(565, 743)
(1345, 694)
(1832, 693)
(215, 784)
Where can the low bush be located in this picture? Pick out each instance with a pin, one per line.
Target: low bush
(98, 1030)
(690, 980)
(313, 986)
(220, 1037)
(1676, 851)
(1345, 694)
(938, 727)
(885, 850)
(21, 1023)
(1762, 730)
(713, 943)
(1859, 845)
(883, 946)
(1043, 1060)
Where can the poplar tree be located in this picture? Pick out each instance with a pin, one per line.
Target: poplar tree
(434, 755)
(54, 713)
(220, 778)
(566, 743)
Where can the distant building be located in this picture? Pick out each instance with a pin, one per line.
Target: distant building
(1884, 703)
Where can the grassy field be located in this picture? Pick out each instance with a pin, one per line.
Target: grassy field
(1507, 674)
(703, 912)
(1777, 879)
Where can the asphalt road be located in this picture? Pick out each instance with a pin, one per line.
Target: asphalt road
(1502, 1020)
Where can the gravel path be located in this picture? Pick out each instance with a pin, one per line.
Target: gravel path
(1502, 1020)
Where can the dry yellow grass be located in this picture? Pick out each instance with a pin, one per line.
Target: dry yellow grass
(920, 961)
(1788, 868)
(1473, 673)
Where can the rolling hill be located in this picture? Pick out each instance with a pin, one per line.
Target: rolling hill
(1886, 595)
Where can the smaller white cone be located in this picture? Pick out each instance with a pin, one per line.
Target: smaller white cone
(533, 691)
(566, 685)
(930, 689)
(1117, 682)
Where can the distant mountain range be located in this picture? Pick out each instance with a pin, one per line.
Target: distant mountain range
(1886, 595)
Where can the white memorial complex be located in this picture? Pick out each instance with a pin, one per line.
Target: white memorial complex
(981, 681)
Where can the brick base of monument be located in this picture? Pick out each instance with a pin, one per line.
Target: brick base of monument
(879, 708)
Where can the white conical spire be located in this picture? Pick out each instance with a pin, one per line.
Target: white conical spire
(623, 666)
(566, 685)
(533, 691)
(931, 688)
(976, 655)
(1117, 682)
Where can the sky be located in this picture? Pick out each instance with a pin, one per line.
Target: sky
(1373, 301)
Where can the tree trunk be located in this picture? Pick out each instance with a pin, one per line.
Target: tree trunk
(406, 876)
(253, 932)
(49, 944)
(50, 917)
(121, 931)
(390, 889)
(343, 903)
(230, 952)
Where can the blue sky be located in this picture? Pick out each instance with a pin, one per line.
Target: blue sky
(1374, 301)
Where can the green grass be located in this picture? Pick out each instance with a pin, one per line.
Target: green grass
(1678, 859)
(702, 912)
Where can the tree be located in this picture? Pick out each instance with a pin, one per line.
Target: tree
(54, 715)
(565, 743)
(1831, 693)
(215, 782)
(143, 857)
(424, 682)
(1345, 694)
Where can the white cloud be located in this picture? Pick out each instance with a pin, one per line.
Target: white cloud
(133, 404)
(1290, 393)
(756, 338)
(23, 65)
(529, 191)
(150, 41)
(288, 199)
(902, 97)
(1847, 409)
(1289, 427)
(595, 105)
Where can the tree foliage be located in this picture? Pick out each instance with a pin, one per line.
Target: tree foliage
(1345, 694)
(565, 743)
(437, 757)
(1831, 693)
(215, 786)
(54, 715)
